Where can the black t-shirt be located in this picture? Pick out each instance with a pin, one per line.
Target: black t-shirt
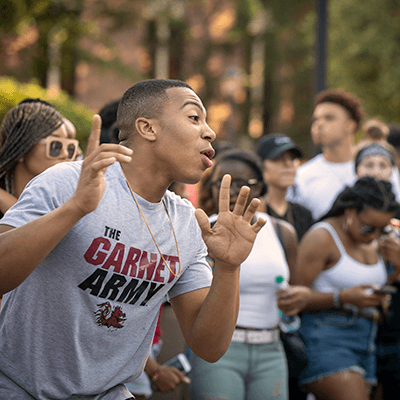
(297, 215)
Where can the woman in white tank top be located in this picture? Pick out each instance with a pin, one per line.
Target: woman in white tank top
(254, 367)
(339, 260)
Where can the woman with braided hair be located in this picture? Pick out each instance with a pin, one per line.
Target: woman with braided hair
(340, 259)
(33, 137)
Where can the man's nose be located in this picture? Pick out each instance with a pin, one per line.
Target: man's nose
(209, 133)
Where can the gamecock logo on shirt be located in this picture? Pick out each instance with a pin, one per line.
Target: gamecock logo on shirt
(112, 318)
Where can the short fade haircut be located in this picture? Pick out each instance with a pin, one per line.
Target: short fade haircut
(348, 101)
(144, 99)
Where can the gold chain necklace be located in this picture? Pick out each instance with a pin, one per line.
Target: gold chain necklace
(152, 236)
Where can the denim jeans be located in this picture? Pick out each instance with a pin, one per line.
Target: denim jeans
(336, 342)
(245, 372)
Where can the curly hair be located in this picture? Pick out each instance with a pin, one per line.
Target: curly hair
(22, 128)
(348, 101)
(366, 192)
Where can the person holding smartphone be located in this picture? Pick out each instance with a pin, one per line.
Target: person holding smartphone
(378, 161)
(339, 261)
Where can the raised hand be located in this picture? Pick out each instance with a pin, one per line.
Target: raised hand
(98, 157)
(389, 248)
(231, 238)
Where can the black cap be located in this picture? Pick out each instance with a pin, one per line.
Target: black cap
(274, 145)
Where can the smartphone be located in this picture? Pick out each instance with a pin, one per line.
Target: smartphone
(181, 362)
(386, 289)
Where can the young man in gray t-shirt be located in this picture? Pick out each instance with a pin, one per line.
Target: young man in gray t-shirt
(92, 248)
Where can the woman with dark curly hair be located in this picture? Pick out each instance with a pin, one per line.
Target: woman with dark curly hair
(338, 259)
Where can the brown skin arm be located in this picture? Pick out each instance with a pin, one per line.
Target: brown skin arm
(208, 316)
(7, 200)
(293, 301)
(168, 377)
(23, 248)
(316, 252)
(389, 248)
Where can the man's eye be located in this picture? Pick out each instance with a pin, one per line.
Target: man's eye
(194, 117)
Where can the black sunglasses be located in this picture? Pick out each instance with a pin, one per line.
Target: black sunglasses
(368, 229)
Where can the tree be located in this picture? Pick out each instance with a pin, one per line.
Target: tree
(364, 54)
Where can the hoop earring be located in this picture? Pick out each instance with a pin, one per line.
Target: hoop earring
(345, 224)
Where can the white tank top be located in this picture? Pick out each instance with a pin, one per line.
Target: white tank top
(258, 308)
(347, 272)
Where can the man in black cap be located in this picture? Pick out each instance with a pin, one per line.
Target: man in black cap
(280, 156)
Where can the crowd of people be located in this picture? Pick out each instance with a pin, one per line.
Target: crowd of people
(93, 245)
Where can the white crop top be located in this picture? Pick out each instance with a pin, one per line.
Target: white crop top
(348, 272)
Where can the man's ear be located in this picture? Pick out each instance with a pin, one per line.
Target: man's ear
(146, 128)
(352, 125)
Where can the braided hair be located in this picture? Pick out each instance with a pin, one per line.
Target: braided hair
(366, 192)
(22, 128)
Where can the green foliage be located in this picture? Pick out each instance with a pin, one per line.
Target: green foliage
(364, 54)
(12, 92)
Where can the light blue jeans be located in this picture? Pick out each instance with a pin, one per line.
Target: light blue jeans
(245, 372)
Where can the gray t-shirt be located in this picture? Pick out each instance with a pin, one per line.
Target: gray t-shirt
(83, 322)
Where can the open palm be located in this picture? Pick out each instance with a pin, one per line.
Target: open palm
(231, 239)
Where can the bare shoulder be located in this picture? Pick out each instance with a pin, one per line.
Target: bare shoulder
(317, 252)
(289, 235)
(317, 235)
(288, 231)
(318, 243)
(287, 228)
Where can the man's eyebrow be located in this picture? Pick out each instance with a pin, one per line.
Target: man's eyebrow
(194, 103)
(326, 115)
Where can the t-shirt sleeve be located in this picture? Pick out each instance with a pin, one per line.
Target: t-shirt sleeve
(197, 275)
(43, 194)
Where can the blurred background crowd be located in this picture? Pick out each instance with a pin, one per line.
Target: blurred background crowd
(262, 69)
(256, 64)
